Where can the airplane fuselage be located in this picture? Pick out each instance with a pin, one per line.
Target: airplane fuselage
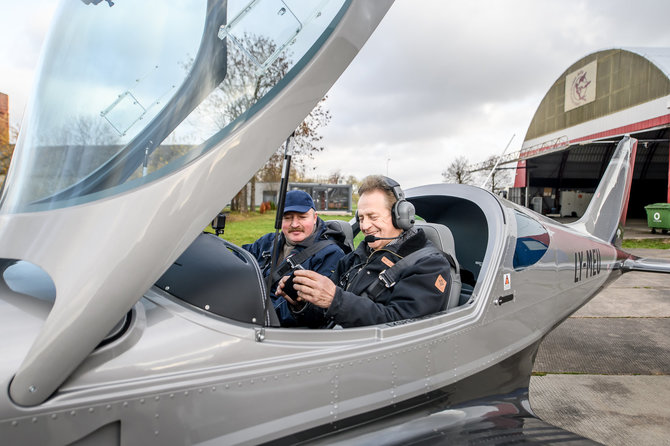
(180, 375)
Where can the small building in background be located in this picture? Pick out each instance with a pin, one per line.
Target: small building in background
(328, 197)
(334, 198)
(266, 192)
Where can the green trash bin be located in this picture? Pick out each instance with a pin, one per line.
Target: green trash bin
(658, 217)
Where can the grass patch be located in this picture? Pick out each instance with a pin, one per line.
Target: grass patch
(242, 228)
(648, 243)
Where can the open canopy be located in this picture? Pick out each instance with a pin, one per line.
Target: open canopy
(147, 117)
(130, 92)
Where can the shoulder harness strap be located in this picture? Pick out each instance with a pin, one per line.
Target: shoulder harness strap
(388, 277)
(296, 259)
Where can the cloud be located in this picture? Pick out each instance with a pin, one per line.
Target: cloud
(443, 79)
(437, 80)
(23, 26)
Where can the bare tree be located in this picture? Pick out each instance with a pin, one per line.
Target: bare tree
(244, 86)
(458, 172)
(335, 177)
(308, 140)
(353, 181)
(499, 177)
(90, 130)
(306, 144)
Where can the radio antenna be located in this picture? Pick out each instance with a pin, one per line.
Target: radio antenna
(497, 162)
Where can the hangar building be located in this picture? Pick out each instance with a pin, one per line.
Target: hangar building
(576, 127)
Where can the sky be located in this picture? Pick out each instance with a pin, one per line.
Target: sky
(437, 80)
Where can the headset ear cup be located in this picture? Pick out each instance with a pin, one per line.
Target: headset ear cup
(403, 214)
(411, 212)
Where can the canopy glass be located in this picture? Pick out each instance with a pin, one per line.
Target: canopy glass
(145, 87)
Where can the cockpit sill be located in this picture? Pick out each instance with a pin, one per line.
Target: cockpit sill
(308, 336)
(460, 207)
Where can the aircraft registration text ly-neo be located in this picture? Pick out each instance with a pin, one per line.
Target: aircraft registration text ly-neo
(587, 264)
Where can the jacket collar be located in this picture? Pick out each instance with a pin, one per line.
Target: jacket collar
(413, 243)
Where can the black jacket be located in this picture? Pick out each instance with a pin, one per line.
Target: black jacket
(421, 289)
(323, 261)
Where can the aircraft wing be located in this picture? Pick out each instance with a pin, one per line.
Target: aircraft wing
(495, 421)
(647, 264)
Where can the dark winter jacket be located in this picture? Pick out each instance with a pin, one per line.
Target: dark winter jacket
(421, 289)
(323, 262)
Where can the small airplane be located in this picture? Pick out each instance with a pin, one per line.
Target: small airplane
(122, 323)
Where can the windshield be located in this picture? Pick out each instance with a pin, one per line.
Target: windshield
(128, 91)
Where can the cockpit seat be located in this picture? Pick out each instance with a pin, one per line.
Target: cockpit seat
(346, 230)
(441, 237)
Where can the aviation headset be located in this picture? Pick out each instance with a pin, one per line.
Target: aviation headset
(402, 211)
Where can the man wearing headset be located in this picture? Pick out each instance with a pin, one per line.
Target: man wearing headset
(356, 295)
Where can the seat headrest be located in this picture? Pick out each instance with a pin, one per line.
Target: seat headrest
(346, 231)
(442, 238)
(440, 235)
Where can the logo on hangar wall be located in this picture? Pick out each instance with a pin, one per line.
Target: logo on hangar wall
(580, 86)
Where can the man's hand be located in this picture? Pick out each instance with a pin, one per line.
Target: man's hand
(312, 287)
(280, 291)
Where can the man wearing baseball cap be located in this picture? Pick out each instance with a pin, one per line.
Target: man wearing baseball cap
(303, 234)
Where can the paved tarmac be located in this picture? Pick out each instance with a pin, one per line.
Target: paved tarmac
(608, 365)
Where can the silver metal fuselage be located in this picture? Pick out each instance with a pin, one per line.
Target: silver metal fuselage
(180, 375)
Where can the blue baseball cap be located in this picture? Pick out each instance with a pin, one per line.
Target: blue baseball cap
(298, 201)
